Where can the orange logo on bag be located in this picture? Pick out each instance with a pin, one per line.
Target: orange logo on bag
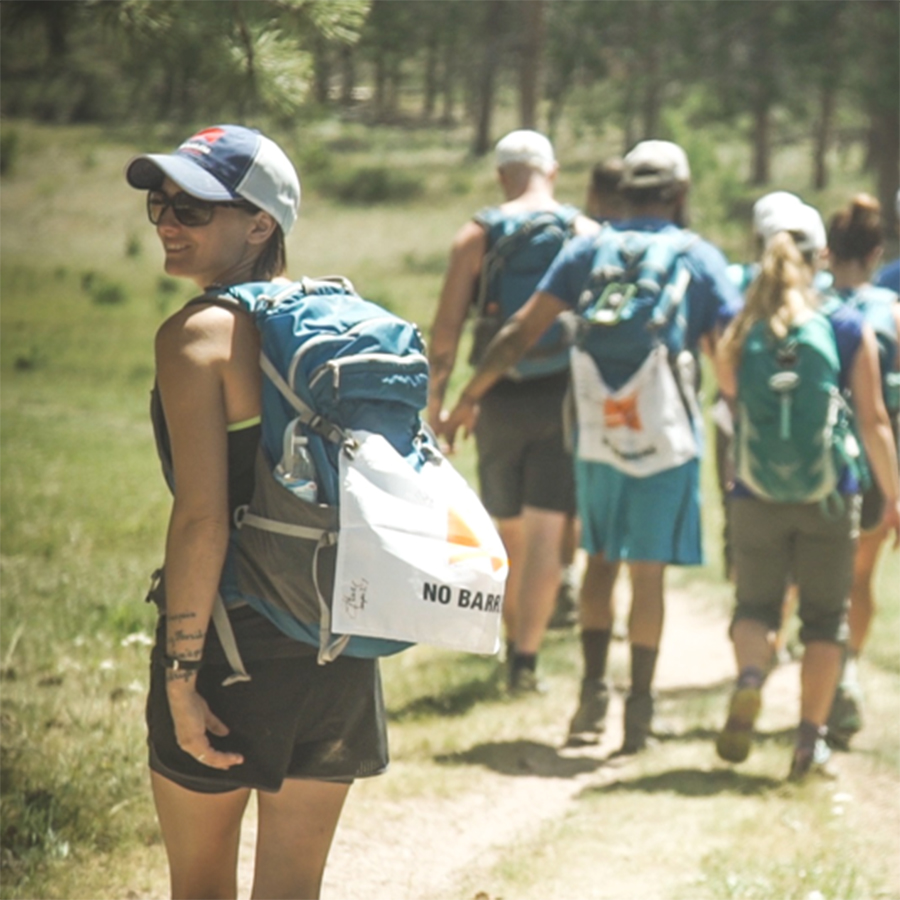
(459, 533)
(622, 413)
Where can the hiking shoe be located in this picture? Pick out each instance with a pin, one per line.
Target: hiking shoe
(525, 681)
(811, 761)
(846, 718)
(733, 743)
(589, 722)
(638, 719)
(565, 613)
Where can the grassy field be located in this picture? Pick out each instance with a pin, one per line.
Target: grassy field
(84, 510)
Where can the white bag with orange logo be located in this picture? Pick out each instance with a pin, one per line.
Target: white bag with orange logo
(419, 558)
(646, 426)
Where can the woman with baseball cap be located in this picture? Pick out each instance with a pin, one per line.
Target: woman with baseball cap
(297, 732)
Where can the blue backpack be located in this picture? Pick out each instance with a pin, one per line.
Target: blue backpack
(520, 249)
(877, 306)
(332, 362)
(632, 299)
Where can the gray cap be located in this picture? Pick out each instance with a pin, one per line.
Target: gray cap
(655, 164)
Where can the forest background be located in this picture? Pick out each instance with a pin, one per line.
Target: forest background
(390, 109)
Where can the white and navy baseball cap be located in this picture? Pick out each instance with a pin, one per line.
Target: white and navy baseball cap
(527, 147)
(226, 162)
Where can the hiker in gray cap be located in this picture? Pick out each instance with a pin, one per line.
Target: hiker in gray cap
(648, 293)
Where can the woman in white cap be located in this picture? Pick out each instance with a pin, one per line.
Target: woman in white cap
(780, 360)
(297, 732)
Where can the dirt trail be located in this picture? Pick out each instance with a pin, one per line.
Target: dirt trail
(418, 848)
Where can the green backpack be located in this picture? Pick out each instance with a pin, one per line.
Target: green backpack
(794, 433)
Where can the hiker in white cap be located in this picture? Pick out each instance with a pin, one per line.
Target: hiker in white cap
(524, 469)
(785, 362)
(297, 732)
(627, 514)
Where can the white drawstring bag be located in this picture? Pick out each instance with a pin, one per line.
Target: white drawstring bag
(644, 427)
(419, 558)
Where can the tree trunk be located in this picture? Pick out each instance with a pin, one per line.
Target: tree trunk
(431, 66)
(823, 135)
(321, 71)
(530, 62)
(885, 150)
(487, 76)
(652, 68)
(762, 93)
(348, 75)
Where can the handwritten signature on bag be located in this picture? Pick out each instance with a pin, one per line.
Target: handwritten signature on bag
(355, 598)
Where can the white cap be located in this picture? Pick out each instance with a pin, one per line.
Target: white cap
(527, 147)
(772, 209)
(655, 164)
(783, 211)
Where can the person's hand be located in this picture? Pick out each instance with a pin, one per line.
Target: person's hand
(464, 415)
(193, 719)
(890, 520)
(436, 421)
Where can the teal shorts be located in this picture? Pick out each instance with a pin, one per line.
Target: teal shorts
(652, 519)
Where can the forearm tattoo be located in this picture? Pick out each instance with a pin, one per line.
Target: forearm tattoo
(182, 629)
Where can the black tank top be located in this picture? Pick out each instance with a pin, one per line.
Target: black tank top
(243, 441)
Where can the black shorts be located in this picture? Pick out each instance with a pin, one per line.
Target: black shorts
(294, 719)
(522, 455)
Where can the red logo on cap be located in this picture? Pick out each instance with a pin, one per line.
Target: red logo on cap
(210, 135)
(201, 143)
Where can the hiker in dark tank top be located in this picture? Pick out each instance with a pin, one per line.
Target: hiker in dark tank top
(855, 243)
(296, 732)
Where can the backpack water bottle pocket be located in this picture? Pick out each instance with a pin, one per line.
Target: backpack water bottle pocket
(286, 548)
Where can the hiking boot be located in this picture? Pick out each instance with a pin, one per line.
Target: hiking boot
(811, 761)
(589, 722)
(638, 719)
(525, 681)
(845, 719)
(565, 613)
(733, 743)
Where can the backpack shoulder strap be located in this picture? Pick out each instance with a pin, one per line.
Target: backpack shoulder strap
(502, 246)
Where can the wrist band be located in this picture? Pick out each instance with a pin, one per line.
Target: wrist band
(181, 665)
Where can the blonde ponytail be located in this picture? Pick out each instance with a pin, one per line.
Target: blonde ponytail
(780, 295)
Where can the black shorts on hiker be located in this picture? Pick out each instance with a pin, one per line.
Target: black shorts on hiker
(522, 457)
(294, 719)
(872, 498)
(872, 508)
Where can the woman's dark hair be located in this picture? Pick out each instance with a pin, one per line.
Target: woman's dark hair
(272, 261)
(855, 231)
(606, 175)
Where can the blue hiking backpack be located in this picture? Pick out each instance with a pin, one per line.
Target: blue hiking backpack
(632, 299)
(877, 306)
(332, 362)
(520, 249)
(793, 426)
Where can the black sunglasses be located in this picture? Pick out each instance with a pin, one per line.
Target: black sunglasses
(189, 211)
